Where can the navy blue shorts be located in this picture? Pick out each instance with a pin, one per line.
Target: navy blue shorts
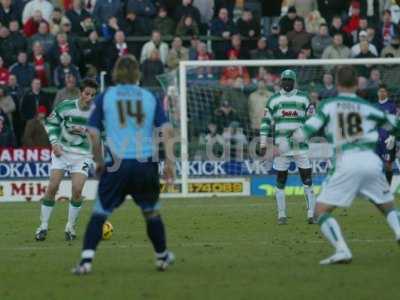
(137, 179)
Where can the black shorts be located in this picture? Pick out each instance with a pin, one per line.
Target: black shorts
(137, 179)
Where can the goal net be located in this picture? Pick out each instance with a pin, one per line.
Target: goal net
(217, 107)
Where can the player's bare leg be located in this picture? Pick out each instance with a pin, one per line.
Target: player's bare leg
(306, 178)
(78, 182)
(392, 217)
(332, 232)
(156, 233)
(48, 202)
(388, 168)
(281, 178)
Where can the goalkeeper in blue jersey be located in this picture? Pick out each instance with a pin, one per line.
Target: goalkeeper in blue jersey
(128, 115)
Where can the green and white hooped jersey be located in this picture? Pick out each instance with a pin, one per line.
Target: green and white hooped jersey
(349, 122)
(284, 113)
(67, 126)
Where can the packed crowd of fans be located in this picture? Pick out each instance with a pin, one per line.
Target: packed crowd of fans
(50, 45)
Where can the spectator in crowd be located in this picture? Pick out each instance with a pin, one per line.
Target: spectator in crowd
(337, 27)
(224, 115)
(363, 24)
(176, 54)
(30, 9)
(371, 10)
(249, 29)
(187, 26)
(321, 41)
(41, 64)
(206, 9)
(228, 4)
(88, 26)
(32, 100)
(305, 7)
(135, 26)
(31, 26)
(76, 15)
(337, 49)
(203, 54)
(105, 9)
(61, 46)
(155, 43)
(395, 11)
(328, 89)
(224, 28)
(4, 73)
(286, 23)
(236, 44)
(271, 12)
(233, 76)
(16, 93)
(186, 8)
(298, 37)
(70, 91)
(262, 51)
(283, 51)
(271, 80)
(374, 80)
(393, 48)
(16, 37)
(234, 137)
(56, 21)
(194, 42)
(7, 105)
(89, 5)
(389, 29)
(24, 71)
(6, 131)
(144, 11)
(351, 26)
(7, 48)
(313, 22)
(65, 67)
(163, 23)
(35, 134)
(93, 51)
(108, 30)
(8, 12)
(331, 8)
(257, 103)
(150, 68)
(273, 38)
(356, 49)
(212, 139)
(44, 37)
(364, 70)
(374, 38)
(117, 48)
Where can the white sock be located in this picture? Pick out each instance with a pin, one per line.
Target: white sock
(88, 254)
(45, 214)
(394, 222)
(331, 230)
(281, 202)
(310, 199)
(73, 213)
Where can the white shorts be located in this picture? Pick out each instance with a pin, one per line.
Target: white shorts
(356, 173)
(74, 163)
(282, 163)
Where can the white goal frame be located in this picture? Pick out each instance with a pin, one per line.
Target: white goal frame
(184, 65)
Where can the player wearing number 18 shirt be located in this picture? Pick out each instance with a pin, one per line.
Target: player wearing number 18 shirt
(351, 126)
(67, 130)
(128, 115)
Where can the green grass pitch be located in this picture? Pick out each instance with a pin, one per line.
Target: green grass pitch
(226, 249)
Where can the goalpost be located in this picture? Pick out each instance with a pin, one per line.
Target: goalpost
(192, 92)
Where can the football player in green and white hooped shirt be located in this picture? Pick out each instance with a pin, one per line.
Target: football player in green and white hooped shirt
(286, 111)
(351, 126)
(66, 127)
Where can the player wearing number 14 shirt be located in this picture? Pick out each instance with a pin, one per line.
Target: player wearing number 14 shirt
(67, 130)
(351, 126)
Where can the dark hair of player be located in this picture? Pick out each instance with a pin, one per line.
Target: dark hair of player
(346, 77)
(126, 70)
(382, 86)
(88, 82)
